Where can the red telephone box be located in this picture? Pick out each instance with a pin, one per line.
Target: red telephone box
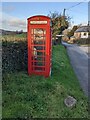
(39, 45)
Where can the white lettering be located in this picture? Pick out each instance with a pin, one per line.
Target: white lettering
(38, 22)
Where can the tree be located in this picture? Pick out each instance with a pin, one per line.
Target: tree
(59, 23)
(71, 33)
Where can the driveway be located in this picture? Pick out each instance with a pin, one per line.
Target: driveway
(79, 61)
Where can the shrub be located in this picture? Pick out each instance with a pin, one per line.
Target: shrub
(83, 41)
(14, 56)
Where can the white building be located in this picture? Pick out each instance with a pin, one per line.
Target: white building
(82, 32)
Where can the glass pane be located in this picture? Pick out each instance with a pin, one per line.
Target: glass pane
(38, 63)
(39, 34)
(39, 58)
(39, 69)
(38, 47)
(41, 53)
(39, 31)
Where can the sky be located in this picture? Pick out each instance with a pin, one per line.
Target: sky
(14, 14)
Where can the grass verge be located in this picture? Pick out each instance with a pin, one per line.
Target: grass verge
(38, 97)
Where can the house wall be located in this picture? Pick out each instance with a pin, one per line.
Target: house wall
(84, 34)
(77, 35)
(81, 35)
(65, 37)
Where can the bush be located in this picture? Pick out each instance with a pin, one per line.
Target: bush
(71, 33)
(14, 56)
(83, 41)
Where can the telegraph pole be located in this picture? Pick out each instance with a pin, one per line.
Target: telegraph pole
(64, 12)
(88, 23)
(64, 17)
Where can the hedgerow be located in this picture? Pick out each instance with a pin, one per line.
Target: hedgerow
(14, 56)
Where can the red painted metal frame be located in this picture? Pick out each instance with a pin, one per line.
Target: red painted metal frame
(48, 45)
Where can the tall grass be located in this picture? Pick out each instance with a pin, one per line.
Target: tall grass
(38, 97)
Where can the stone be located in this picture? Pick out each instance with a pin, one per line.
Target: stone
(70, 101)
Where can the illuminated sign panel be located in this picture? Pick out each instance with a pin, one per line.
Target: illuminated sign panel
(38, 22)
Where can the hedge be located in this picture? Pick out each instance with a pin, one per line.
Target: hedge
(83, 41)
(14, 56)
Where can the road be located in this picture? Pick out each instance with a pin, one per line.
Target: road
(79, 61)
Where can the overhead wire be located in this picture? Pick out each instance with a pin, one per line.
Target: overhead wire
(75, 5)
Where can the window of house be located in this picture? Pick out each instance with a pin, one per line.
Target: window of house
(84, 34)
(89, 33)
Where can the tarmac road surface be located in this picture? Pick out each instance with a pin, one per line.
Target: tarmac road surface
(79, 61)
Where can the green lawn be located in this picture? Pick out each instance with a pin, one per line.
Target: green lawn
(38, 97)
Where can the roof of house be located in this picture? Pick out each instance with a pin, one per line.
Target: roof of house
(83, 29)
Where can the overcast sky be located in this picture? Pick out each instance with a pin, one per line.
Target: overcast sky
(15, 14)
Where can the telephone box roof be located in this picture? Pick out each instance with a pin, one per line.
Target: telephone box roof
(39, 16)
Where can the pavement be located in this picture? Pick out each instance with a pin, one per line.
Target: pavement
(79, 61)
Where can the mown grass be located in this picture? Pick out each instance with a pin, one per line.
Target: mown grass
(38, 97)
